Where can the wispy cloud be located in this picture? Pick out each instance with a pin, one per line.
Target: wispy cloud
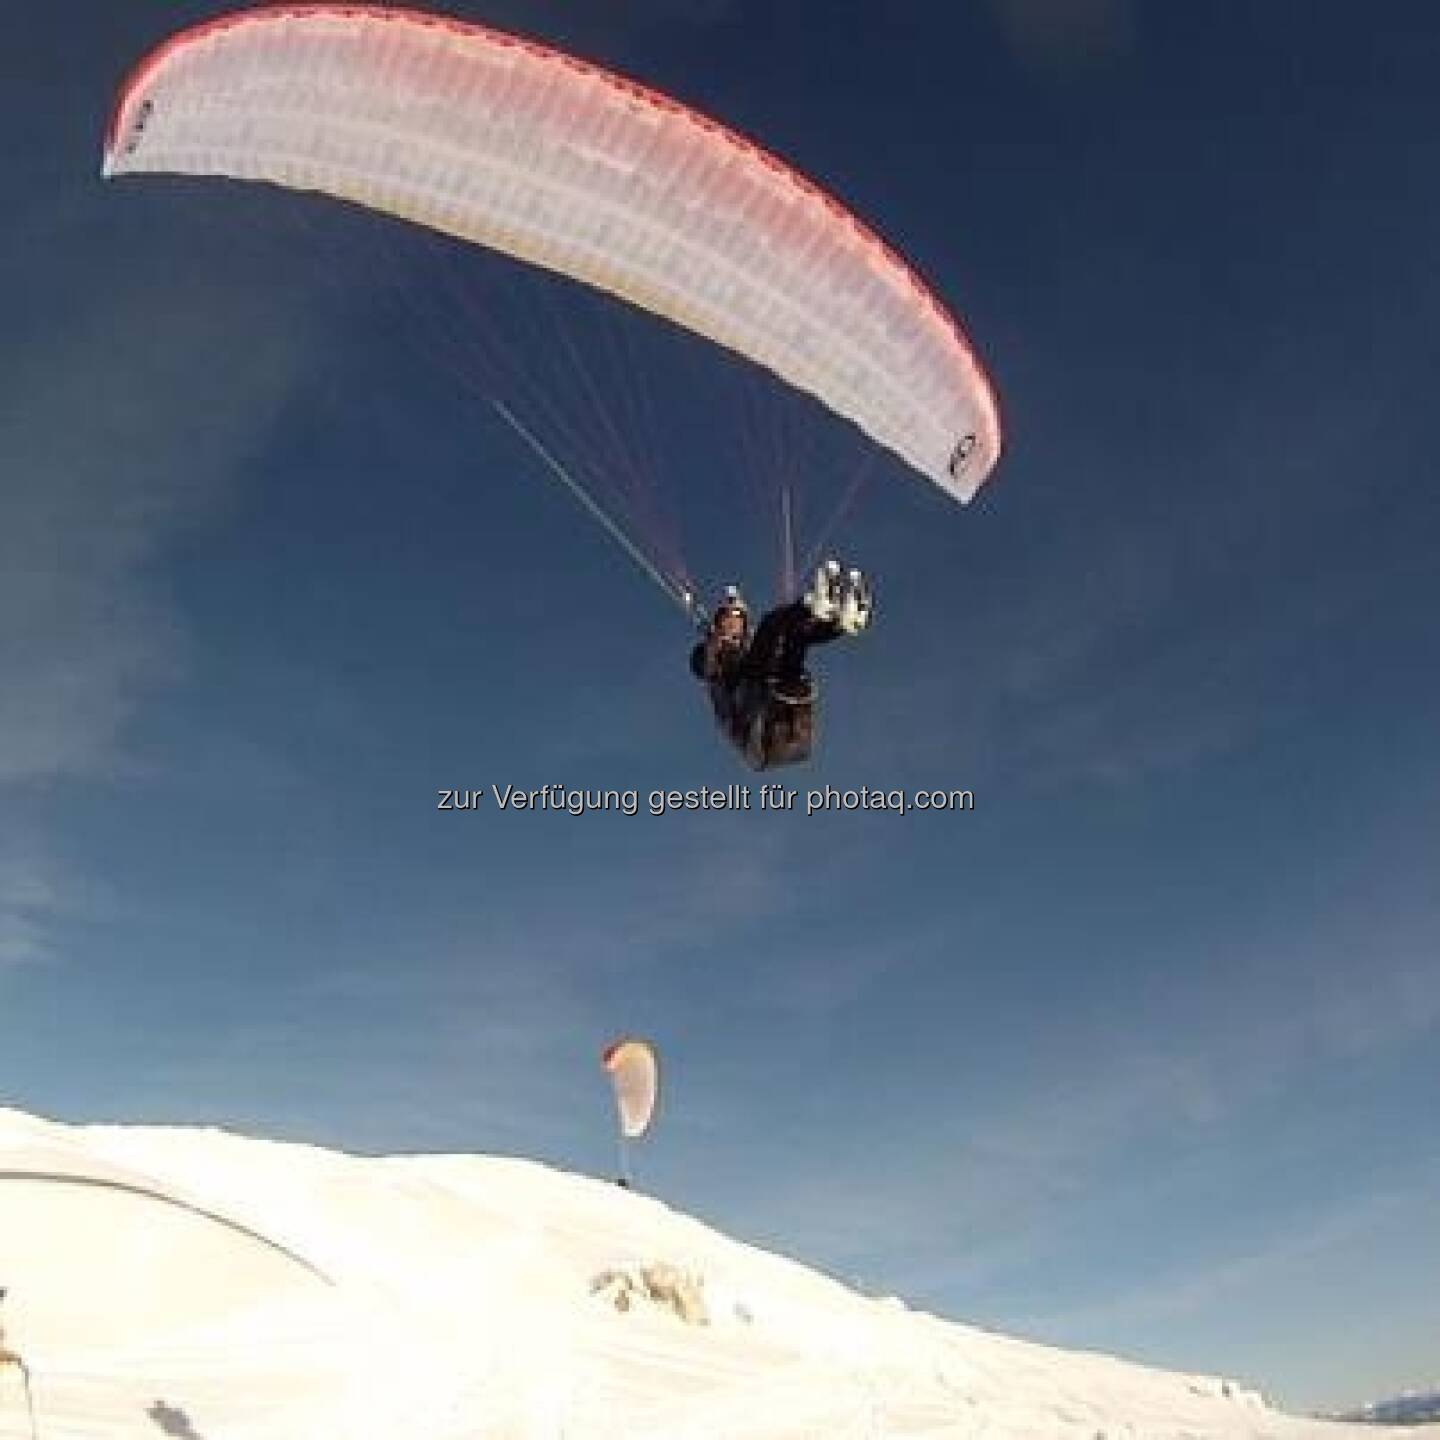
(1066, 34)
(1161, 634)
(699, 13)
(107, 456)
(475, 1025)
(955, 1196)
(133, 401)
(29, 894)
(1288, 1258)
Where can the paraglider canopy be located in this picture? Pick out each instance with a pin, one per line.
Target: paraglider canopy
(513, 145)
(634, 1071)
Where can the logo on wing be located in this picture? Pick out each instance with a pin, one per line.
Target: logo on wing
(960, 455)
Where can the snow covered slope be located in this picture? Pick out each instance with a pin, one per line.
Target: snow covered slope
(196, 1284)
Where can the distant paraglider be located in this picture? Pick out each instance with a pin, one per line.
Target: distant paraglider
(634, 1071)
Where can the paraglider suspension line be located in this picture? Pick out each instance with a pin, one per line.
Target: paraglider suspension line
(787, 577)
(681, 596)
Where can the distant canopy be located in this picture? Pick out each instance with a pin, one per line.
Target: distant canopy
(522, 148)
(634, 1071)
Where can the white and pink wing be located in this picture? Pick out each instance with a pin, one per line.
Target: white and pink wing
(516, 146)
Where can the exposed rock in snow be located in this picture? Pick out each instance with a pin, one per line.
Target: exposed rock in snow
(660, 1284)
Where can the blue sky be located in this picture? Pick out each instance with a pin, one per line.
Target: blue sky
(1139, 1055)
